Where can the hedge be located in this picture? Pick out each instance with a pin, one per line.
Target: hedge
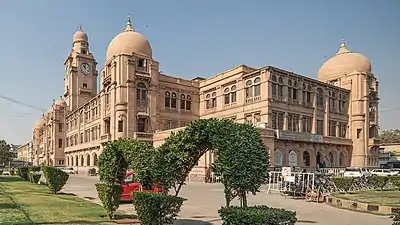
(55, 178)
(34, 168)
(156, 208)
(256, 215)
(343, 183)
(23, 172)
(378, 182)
(395, 180)
(33, 177)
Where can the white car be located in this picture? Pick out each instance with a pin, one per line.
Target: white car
(355, 172)
(384, 172)
(6, 173)
(68, 170)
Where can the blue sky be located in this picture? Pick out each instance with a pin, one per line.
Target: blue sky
(189, 39)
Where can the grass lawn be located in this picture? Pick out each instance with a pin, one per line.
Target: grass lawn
(23, 203)
(386, 197)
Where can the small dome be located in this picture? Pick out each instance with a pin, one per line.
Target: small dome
(129, 41)
(60, 102)
(39, 123)
(80, 35)
(344, 62)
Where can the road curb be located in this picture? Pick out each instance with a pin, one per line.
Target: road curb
(359, 206)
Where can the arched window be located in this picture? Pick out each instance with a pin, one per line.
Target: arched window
(306, 158)
(342, 159)
(278, 162)
(82, 160)
(186, 102)
(87, 160)
(107, 97)
(257, 87)
(167, 100)
(95, 159)
(280, 87)
(292, 158)
(249, 89)
(173, 100)
(331, 159)
(274, 85)
(208, 101)
(76, 161)
(292, 90)
(141, 92)
(230, 95)
(67, 161)
(320, 97)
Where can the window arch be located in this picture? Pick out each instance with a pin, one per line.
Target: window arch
(306, 158)
(253, 89)
(141, 92)
(211, 100)
(292, 90)
(320, 97)
(342, 159)
(186, 103)
(307, 95)
(277, 86)
(88, 160)
(170, 100)
(230, 95)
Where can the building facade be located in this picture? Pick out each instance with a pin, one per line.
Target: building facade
(329, 122)
(24, 152)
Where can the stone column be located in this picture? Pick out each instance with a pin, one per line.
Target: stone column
(301, 123)
(285, 121)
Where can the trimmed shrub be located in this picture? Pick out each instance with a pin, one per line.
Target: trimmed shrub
(12, 172)
(256, 215)
(92, 172)
(34, 168)
(155, 208)
(378, 182)
(343, 183)
(23, 172)
(395, 180)
(110, 197)
(55, 178)
(33, 177)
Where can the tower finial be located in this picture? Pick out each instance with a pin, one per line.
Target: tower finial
(128, 26)
(343, 47)
(80, 27)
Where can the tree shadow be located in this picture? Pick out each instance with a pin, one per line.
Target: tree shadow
(6, 179)
(8, 206)
(77, 222)
(192, 222)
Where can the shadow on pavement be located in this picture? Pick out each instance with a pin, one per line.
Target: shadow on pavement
(191, 222)
(77, 222)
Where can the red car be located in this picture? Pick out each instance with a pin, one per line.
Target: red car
(131, 185)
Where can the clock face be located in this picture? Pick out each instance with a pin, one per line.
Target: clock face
(85, 68)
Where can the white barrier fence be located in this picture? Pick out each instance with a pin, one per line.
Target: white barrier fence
(295, 182)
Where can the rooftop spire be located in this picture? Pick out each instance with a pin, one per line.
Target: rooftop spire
(80, 27)
(343, 48)
(128, 26)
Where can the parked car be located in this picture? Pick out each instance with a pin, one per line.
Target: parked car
(68, 170)
(131, 185)
(384, 172)
(355, 172)
(6, 173)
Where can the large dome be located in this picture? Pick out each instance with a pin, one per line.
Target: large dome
(129, 41)
(344, 62)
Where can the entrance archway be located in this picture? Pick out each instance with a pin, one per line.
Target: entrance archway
(319, 159)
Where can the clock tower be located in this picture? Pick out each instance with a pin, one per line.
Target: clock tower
(80, 78)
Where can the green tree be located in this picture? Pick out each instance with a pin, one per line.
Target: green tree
(242, 159)
(390, 136)
(5, 154)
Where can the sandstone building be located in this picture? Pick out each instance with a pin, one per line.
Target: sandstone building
(304, 122)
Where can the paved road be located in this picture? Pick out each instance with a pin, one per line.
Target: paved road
(204, 200)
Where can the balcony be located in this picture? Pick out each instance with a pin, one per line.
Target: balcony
(105, 137)
(373, 141)
(143, 136)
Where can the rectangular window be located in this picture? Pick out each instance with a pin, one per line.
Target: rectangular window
(120, 126)
(332, 128)
(84, 85)
(60, 127)
(320, 127)
(359, 132)
(82, 138)
(60, 143)
(249, 119)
